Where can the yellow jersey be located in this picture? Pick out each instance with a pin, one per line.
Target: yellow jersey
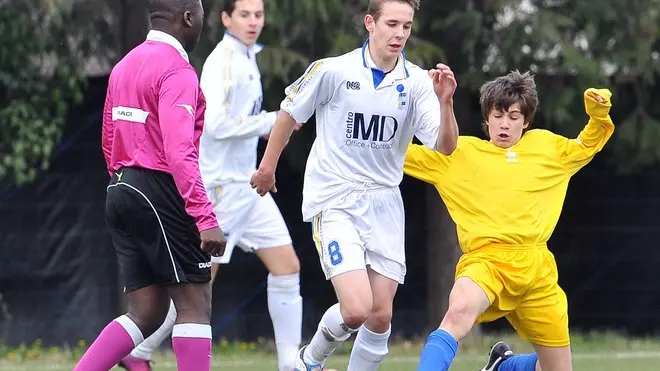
(508, 196)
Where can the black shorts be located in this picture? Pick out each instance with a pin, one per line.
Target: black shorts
(156, 241)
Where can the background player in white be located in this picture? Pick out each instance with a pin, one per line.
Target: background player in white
(369, 104)
(234, 122)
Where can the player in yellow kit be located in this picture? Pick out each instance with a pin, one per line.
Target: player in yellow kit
(506, 195)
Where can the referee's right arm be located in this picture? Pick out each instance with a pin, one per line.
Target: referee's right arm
(177, 103)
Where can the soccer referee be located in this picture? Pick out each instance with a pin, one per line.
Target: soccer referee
(162, 224)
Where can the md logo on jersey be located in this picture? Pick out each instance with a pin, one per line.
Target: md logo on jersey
(401, 101)
(378, 130)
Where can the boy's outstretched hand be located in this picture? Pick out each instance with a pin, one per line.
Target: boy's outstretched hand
(444, 82)
(597, 102)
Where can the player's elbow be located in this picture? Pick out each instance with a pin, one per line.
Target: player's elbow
(178, 155)
(217, 123)
(446, 147)
(285, 119)
(446, 142)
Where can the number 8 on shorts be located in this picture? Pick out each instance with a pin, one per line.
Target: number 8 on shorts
(334, 253)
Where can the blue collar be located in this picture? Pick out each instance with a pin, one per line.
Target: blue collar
(400, 71)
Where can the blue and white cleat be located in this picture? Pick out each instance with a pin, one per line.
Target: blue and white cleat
(302, 366)
(498, 353)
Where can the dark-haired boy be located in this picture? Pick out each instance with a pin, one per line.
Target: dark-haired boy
(505, 196)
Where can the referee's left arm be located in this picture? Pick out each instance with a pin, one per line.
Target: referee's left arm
(108, 130)
(177, 103)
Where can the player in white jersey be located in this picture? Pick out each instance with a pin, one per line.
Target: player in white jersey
(234, 121)
(369, 104)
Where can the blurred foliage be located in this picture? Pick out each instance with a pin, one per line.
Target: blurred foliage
(569, 44)
(330, 27)
(38, 80)
(613, 43)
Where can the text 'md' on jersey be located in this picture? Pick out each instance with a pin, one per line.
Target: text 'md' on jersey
(365, 119)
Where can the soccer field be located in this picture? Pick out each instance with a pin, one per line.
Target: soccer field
(637, 361)
(596, 353)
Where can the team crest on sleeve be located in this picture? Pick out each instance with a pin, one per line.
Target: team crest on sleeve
(402, 100)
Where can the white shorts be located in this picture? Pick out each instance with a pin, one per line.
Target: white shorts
(248, 220)
(367, 228)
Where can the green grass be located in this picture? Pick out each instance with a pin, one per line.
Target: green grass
(596, 352)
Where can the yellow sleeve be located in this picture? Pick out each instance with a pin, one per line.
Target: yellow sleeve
(425, 164)
(576, 153)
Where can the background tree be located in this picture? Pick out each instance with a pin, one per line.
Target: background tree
(39, 79)
(568, 44)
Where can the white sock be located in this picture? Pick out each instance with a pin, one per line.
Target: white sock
(369, 350)
(331, 332)
(131, 328)
(285, 307)
(146, 349)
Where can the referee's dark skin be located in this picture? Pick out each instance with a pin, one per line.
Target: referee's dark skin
(213, 241)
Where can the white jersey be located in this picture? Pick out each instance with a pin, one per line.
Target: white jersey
(233, 122)
(365, 120)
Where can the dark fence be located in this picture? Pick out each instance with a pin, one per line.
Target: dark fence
(58, 274)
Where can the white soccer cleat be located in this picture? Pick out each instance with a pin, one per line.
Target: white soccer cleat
(302, 366)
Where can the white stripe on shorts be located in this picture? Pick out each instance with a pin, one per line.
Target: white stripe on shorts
(162, 229)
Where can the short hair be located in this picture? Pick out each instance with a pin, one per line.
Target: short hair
(228, 6)
(376, 6)
(504, 91)
(159, 7)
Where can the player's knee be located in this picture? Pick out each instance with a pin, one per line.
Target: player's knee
(147, 311)
(280, 261)
(380, 319)
(460, 315)
(355, 318)
(192, 302)
(148, 319)
(295, 265)
(194, 315)
(198, 311)
(355, 313)
(289, 266)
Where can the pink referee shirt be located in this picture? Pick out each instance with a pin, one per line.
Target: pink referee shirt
(153, 118)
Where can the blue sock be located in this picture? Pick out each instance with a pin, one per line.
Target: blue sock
(439, 351)
(523, 362)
